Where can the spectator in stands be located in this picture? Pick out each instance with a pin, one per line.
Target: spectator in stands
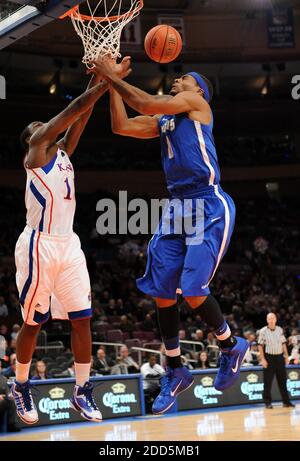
(4, 331)
(147, 303)
(11, 349)
(198, 336)
(70, 371)
(93, 371)
(121, 308)
(151, 369)
(120, 368)
(186, 363)
(126, 326)
(3, 307)
(210, 339)
(10, 372)
(7, 406)
(293, 348)
(111, 308)
(15, 331)
(101, 364)
(40, 371)
(124, 359)
(151, 372)
(202, 360)
(148, 324)
(186, 349)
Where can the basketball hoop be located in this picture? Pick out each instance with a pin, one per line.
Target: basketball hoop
(100, 31)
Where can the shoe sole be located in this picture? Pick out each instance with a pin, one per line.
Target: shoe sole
(170, 406)
(24, 420)
(235, 376)
(79, 410)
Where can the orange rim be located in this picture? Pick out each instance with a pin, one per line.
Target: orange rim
(76, 13)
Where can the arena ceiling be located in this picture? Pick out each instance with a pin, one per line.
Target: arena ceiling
(35, 59)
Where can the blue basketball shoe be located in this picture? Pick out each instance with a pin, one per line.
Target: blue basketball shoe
(230, 364)
(172, 383)
(83, 401)
(26, 409)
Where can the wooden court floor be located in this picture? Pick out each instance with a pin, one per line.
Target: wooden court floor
(248, 424)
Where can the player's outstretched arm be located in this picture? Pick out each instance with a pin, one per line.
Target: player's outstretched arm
(143, 127)
(45, 137)
(71, 138)
(146, 104)
(74, 132)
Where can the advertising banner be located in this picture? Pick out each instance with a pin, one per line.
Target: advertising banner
(246, 390)
(116, 397)
(281, 28)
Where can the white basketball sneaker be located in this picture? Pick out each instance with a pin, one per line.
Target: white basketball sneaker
(26, 409)
(83, 401)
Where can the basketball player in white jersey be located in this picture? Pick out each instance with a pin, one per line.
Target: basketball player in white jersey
(51, 269)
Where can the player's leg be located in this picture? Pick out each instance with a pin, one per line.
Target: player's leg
(72, 301)
(162, 277)
(178, 378)
(202, 259)
(210, 311)
(33, 282)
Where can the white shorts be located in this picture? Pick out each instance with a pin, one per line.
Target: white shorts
(51, 275)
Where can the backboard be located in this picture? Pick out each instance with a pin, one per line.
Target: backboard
(19, 18)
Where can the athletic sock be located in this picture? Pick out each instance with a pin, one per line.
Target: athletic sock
(224, 336)
(168, 320)
(211, 313)
(82, 373)
(22, 372)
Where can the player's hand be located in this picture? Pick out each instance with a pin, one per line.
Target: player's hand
(287, 360)
(107, 67)
(122, 69)
(264, 363)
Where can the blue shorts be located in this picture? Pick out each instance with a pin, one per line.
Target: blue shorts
(189, 260)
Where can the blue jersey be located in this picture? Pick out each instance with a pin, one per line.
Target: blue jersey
(188, 152)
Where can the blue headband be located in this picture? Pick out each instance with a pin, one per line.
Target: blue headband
(201, 82)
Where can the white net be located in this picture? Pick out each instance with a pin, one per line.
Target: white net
(100, 30)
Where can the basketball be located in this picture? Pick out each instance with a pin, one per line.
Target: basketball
(163, 44)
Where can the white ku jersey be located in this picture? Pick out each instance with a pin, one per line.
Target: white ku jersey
(50, 196)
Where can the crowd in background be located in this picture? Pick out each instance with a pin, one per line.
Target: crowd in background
(253, 281)
(236, 151)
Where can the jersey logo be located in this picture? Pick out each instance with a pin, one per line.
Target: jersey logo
(67, 168)
(168, 125)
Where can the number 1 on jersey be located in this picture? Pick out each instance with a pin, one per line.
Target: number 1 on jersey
(68, 196)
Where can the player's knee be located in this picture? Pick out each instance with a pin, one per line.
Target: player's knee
(162, 302)
(195, 301)
(81, 324)
(31, 330)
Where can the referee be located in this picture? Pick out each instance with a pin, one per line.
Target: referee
(274, 354)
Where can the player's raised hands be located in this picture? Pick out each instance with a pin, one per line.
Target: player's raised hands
(106, 66)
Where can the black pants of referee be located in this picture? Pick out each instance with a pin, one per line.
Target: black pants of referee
(276, 366)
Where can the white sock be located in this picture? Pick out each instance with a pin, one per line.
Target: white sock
(224, 333)
(22, 372)
(82, 373)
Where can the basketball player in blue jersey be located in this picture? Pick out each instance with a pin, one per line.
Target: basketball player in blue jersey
(49, 259)
(191, 168)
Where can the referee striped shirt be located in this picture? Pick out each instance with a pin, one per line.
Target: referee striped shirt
(272, 340)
